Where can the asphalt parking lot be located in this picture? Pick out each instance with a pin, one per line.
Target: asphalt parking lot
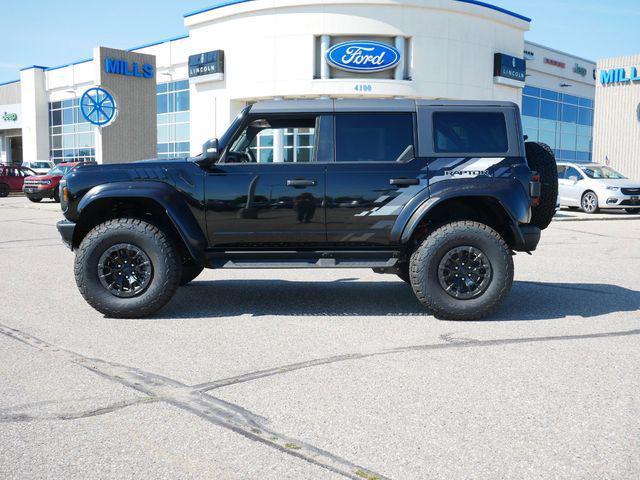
(323, 374)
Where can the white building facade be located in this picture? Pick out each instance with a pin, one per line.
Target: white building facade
(247, 50)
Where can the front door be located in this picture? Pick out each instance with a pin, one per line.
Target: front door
(374, 175)
(569, 188)
(268, 189)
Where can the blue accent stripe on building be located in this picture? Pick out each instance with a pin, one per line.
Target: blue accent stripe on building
(172, 39)
(227, 3)
(33, 66)
(69, 64)
(9, 82)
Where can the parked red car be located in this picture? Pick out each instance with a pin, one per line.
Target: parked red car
(46, 186)
(12, 177)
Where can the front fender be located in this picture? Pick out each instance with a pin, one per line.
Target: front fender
(174, 203)
(508, 192)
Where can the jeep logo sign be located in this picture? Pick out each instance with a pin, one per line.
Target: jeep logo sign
(363, 56)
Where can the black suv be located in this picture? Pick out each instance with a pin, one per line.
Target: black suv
(440, 193)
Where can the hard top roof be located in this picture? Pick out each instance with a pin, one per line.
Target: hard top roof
(365, 105)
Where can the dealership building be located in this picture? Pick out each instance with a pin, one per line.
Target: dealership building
(167, 98)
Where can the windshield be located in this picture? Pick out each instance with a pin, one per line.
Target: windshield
(39, 165)
(226, 136)
(605, 173)
(58, 170)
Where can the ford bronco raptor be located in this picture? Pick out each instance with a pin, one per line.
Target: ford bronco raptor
(440, 193)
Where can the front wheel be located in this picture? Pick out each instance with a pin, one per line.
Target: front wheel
(127, 268)
(56, 195)
(35, 199)
(462, 271)
(589, 202)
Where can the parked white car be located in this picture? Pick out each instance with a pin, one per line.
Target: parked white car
(41, 167)
(591, 187)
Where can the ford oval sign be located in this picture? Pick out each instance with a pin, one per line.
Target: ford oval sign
(363, 56)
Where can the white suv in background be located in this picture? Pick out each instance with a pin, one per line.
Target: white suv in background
(591, 186)
(41, 167)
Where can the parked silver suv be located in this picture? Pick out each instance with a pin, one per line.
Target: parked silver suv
(591, 186)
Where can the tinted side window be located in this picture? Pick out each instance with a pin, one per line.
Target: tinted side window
(561, 170)
(380, 137)
(572, 172)
(470, 132)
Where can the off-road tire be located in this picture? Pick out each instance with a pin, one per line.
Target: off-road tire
(56, 195)
(426, 258)
(35, 199)
(190, 271)
(4, 190)
(167, 268)
(542, 160)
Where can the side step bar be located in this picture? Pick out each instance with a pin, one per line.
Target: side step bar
(302, 259)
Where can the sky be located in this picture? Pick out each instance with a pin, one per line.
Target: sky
(51, 33)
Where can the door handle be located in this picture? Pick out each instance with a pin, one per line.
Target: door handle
(404, 182)
(301, 183)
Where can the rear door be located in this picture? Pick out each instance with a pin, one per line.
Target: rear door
(375, 173)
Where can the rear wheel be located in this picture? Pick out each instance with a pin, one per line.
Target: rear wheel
(462, 271)
(4, 190)
(35, 199)
(589, 202)
(542, 160)
(127, 268)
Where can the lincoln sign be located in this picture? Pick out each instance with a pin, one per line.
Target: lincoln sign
(363, 56)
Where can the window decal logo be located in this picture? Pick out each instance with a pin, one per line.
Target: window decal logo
(98, 106)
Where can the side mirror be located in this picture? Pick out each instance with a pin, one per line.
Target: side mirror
(210, 150)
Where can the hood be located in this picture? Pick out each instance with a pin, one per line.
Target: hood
(622, 183)
(42, 177)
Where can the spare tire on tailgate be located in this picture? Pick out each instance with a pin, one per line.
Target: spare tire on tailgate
(542, 160)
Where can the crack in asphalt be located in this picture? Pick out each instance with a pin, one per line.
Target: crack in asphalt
(450, 343)
(211, 409)
(195, 400)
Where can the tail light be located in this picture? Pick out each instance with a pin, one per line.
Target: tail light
(535, 189)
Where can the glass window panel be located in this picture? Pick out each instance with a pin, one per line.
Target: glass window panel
(547, 137)
(585, 131)
(266, 139)
(549, 94)
(68, 141)
(585, 116)
(68, 154)
(303, 154)
(182, 101)
(548, 125)
(583, 156)
(181, 117)
(530, 106)
(585, 102)
(68, 128)
(182, 85)
(85, 140)
(458, 132)
(530, 122)
(67, 103)
(162, 147)
(56, 117)
(55, 130)
(288, 140)
(56, 105)
(163, 133)
(266, 155)
(83, 127)
(67, 116)
(569, 113)
(161, 88)
(171, 99)
(56, 141)
(305, 140)
(532, 135)
(183, 147)
(568, 128)
(567, 141)
(570, 99)
(583, 144)
(385, 137)
(568, 154)
(181, 132)
(288, 154)
(533, 91)
(161, 103)
(549, 110)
